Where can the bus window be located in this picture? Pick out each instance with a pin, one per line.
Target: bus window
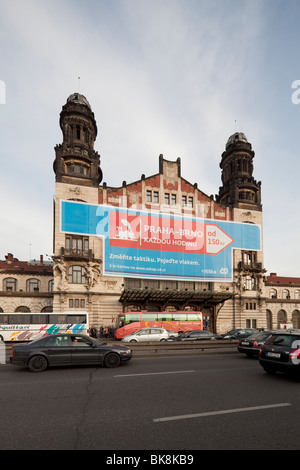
(19, 319)
(179, 316)
(194, 316)
(164, 316)
(41, 319)
(149, 316)
(132, 317)
(57, 318)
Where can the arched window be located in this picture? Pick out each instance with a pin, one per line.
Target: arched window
(76, 275)
(50, 285)
(285, 294)
(33, 285)
(269, 319)
(296, 319)
(249, 283)
(23, 309)
(10, 284)
(47, 309)
(273, 294)
(281, 319)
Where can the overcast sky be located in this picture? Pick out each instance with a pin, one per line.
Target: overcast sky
(176, 77)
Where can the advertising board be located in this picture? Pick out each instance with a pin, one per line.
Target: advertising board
(152, 244)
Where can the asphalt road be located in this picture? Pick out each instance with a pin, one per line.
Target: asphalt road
(158, 404)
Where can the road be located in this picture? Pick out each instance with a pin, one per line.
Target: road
(180, 404)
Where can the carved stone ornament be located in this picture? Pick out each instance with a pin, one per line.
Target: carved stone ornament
(60, 268)
(75, 191)
(92, 274)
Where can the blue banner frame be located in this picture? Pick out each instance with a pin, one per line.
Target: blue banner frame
(183, 259)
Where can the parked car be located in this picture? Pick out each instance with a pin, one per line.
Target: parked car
(66, 350)
(195, 335)
(251, 345)
(147, 334)
(239, 333)
(281, 353)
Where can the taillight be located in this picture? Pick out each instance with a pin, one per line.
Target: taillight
(13, 351)
(260, 351)
(295, 356)
(255, 344)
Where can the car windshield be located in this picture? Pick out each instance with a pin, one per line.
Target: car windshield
(184, 335)
(259, 336)
(284, 340)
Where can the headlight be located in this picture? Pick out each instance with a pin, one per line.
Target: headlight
(128, 351)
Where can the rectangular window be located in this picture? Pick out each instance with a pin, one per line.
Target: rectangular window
(191, 200)
(184, 201)
(167, 198)
(149, 196)
(173, 199)
(76, 245)
(155, 196)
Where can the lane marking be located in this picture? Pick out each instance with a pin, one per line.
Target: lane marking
(221, 412)
(157, 373)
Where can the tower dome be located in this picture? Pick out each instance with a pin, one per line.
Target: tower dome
(78, 98)
(236, 137)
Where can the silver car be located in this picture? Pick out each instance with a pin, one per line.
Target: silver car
(147, 334)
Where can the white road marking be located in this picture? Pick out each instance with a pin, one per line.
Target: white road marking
(221, 412)
(157, 373)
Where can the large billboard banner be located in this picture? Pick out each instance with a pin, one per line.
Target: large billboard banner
(152, 244)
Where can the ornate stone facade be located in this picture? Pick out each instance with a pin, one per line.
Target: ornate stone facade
(76, 280)
(78, 277)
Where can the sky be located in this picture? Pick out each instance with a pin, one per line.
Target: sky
(171, 77)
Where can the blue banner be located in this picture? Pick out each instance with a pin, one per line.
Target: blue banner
(152, 244)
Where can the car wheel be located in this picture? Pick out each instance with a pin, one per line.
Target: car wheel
(163, 339)
(112, 360)
(133, 341)
(37, 364)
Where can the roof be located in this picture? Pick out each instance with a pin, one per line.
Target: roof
(13, 265)
(274, 279)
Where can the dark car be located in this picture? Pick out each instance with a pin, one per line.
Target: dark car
(67, 349)
(194, 335)
(239, 333)
(251, 345)
(281, 353)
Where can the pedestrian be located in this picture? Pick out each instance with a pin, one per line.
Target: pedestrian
(93, 332)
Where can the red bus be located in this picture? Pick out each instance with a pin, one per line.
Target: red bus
(179, 321)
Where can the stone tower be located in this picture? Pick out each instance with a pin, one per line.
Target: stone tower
(76, 160)
(239, 188)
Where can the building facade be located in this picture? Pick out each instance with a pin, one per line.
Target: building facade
(78, 279)
(75, 279)
(282, 301)
(26, 286)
